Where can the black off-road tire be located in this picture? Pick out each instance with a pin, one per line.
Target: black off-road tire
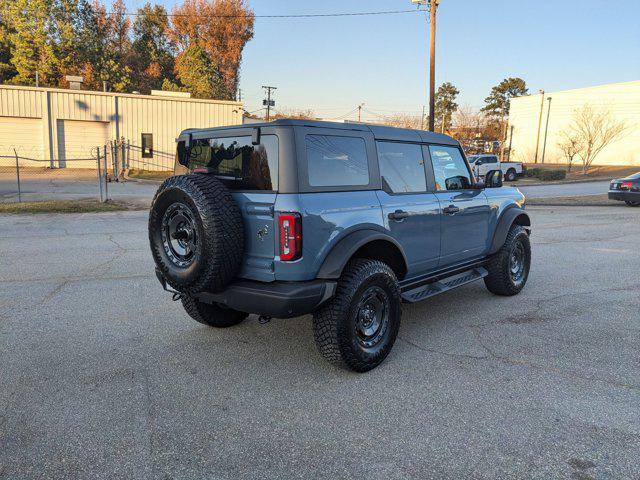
(511, 175)
(335, 324)
(501, 279)
(211, 314)
(632, 204)
(217, 231)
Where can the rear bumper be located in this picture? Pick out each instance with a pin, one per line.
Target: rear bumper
(624, 196)
(274, 299)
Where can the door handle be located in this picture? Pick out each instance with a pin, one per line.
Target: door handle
(450, 210)
(398, 215)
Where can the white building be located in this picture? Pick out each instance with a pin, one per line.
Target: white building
(622, 100)
(56, 126)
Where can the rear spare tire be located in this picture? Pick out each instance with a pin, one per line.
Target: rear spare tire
(196, 233)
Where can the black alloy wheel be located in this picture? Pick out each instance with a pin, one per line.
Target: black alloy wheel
(179, 234)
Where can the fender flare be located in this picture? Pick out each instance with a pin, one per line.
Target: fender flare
(342, 251)
(508, 218)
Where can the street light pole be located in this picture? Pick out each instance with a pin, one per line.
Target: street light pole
(535, 160)
(546, 129)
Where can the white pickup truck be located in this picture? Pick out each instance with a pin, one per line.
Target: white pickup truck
(482, 163)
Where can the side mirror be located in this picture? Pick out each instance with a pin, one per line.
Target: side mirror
(479, 184)
(493, 179)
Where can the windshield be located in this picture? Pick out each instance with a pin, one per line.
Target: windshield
(472, 158)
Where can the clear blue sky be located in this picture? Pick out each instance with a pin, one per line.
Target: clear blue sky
(330, 65)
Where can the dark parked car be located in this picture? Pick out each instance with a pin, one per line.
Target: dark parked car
(343, 221)
(626, 190)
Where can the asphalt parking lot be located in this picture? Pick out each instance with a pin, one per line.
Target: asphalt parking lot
(103, 376)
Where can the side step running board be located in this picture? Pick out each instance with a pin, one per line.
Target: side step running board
(431, 289)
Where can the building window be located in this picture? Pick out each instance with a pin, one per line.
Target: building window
(147, 145)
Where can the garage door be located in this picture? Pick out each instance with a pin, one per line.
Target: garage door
(77, 139)
(23, 134)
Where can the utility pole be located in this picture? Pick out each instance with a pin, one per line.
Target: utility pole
(535, 160)
(546, 129)
(239, 94)
(433, 5)
(503, 140)
(268, 102)
(37, 78)
(443, 119)
(360, 111)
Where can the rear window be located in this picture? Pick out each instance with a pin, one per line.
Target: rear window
(334, 161)
(236, 162)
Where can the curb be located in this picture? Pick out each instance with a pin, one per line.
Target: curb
(560, 182)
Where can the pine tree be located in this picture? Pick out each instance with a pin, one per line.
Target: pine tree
(497, 103)
(445, 105)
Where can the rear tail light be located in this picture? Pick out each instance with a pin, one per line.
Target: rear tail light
(290, 226)
(626, 185)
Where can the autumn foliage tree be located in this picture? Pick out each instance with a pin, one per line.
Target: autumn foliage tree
(220, 28)
(200, 51)
(153, 51)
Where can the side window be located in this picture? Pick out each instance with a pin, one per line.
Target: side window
(334, 161)
(401, 167)
(449, 168)
(491, 159)
(236, 162)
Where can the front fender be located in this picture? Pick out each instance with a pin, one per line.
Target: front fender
(508, 218)
(341, 253)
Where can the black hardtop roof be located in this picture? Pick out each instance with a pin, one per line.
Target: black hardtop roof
(380, 132)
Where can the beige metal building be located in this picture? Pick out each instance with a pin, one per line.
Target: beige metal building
(621, 100)
(56, 126)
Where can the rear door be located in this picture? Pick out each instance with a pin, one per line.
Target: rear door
(465, 211)
(251, 174)
(409, 211)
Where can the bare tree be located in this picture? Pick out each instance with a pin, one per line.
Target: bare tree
(403, 120)
(595, 129)
(468, 122)
(570, 144)
(307, 114)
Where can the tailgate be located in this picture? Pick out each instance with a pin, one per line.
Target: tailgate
(259, 234)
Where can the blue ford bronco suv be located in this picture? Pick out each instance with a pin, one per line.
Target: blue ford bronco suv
(343, 221)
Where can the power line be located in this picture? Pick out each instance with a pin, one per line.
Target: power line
(302, 15)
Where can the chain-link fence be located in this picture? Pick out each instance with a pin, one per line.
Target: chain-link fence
(25, 177)
(80, 171)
